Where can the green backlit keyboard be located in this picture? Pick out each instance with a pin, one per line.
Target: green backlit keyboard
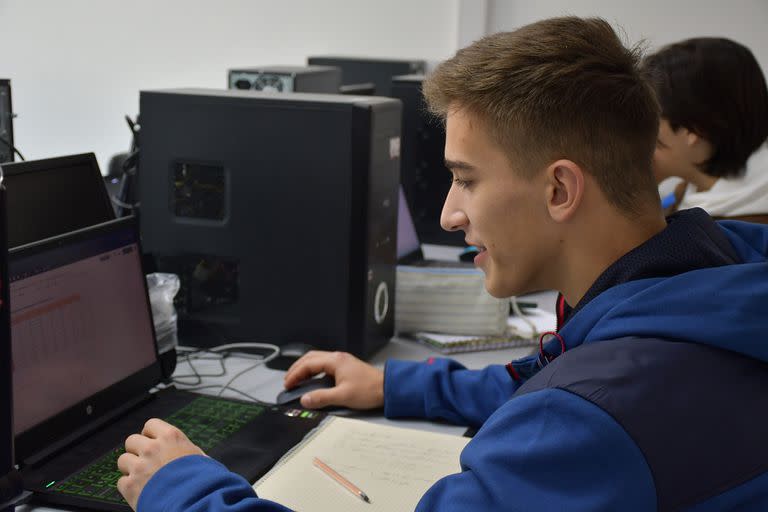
(206, 421)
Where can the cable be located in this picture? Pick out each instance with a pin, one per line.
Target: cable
(199, 376)
(12, 148)
(274, 354)
(223, 352)
(523, 317)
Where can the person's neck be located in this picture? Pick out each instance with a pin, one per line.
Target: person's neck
(597, 244)
(702, 182)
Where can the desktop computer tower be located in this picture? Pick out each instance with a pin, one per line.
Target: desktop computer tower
(360, 70)
(423, 175)
(321, 79)
(278, 211)
(6, 122)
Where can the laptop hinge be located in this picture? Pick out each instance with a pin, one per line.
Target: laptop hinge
(81, 432)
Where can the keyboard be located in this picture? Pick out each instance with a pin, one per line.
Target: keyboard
(206, 422)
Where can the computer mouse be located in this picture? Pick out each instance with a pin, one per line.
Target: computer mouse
(292, 396)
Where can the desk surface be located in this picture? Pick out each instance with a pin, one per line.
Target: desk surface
(264, 384)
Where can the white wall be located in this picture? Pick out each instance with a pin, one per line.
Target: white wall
(76, 66)
(658, 21)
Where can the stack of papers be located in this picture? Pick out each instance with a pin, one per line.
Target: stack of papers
(519, 333)
(447, 300)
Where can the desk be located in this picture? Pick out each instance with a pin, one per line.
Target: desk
(264, 384)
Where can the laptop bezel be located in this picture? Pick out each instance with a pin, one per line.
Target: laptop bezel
(82, 159)
(104, 403)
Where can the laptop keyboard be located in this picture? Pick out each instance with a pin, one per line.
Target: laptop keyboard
(206, 421)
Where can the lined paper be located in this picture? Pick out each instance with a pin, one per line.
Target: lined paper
(393, 466)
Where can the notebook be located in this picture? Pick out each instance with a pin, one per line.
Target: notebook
(85, 362)
(393, 466)
(520, 333)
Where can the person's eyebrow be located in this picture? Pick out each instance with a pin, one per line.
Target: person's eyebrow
(459, 165)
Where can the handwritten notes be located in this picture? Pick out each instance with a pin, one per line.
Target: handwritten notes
(393, 466)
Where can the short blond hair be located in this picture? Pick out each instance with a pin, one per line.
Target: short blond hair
(560, 88)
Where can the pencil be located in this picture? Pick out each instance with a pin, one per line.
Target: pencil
(340, 479)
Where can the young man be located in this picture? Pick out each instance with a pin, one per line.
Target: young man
(714, 125)
(654, 393)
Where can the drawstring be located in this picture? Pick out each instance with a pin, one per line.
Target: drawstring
(544, 356)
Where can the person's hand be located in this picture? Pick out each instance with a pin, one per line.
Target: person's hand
(158, 444)
(358, 384)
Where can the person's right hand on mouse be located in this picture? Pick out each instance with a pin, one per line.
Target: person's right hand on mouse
(358, 384)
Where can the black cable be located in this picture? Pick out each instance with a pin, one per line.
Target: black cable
(12, 147)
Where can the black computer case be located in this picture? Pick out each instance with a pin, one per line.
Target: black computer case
(318, 79)
(423, 174)
(279, 211)
(6, 122)
(360, 70)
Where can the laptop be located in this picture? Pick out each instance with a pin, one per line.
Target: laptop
(10, 482)
(85, 362)
(53, 196)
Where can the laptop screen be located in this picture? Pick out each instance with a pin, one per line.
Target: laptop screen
(80, 320)
(50, 197)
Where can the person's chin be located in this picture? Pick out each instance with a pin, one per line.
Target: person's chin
(493, 288)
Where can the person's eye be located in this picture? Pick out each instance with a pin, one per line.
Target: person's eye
(461, 183)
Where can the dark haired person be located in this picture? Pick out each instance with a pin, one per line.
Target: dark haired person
(714, 126)
(654, 393)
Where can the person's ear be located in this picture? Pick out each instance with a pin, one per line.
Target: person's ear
(699, 148)
(565, 189)
(692, 138)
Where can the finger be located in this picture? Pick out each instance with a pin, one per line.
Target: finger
(126, 462)
(312, 354)
(323, 398)
(155, 427)
(325, 362)
(126, 487)
(135, 443)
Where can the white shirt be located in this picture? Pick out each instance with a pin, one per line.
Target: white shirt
(734, 197)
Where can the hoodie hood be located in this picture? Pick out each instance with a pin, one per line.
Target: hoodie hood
(722, 304)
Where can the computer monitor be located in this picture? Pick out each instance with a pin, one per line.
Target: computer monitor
(54, 196)
(278, 211)
(407, 238)
(6, 122)
(423, 175)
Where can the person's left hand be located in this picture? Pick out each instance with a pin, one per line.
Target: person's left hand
(158, 444)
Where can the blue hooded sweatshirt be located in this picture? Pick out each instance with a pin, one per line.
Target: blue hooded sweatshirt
(659, 400)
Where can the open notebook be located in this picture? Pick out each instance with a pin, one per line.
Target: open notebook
(393, 466)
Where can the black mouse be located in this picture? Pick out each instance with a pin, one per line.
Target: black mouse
(292, 396)
(289, 353)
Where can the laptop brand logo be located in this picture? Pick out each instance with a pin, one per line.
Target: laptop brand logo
(88, 410)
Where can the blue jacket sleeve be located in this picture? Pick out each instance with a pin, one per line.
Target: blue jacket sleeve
(442, 388)
(547, 450)
(195, 484)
